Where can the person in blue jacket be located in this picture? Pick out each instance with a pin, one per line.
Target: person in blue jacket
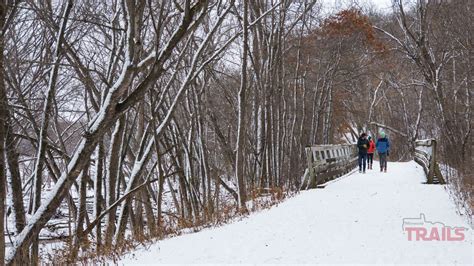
(383, 148)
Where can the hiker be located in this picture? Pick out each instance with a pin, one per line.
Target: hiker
(370, 153)
(363, 145)
(383, 148)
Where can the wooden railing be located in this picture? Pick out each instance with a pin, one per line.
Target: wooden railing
(326, 162)
(425, 155)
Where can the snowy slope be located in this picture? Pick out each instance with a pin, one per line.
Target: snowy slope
(356, 219)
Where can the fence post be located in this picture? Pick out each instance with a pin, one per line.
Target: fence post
(309, 157)
(432, 162)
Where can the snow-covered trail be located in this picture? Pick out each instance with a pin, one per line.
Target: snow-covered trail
(356, 219)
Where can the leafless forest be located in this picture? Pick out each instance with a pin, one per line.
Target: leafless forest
(129, 120)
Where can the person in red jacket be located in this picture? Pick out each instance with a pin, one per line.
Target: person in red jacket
(370, 153)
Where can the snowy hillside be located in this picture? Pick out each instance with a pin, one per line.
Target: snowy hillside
(355, 219)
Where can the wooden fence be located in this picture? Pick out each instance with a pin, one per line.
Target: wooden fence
(326, 162)
(425, 155)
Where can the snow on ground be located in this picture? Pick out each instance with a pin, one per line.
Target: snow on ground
(357, 219)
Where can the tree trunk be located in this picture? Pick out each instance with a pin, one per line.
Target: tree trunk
(99, 174)
(239, 167)
(3, 133)
(112, 177)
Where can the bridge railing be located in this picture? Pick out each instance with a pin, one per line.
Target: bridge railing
(425, 155)
(326, 162)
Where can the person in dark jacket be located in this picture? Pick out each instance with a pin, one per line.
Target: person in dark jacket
(383, 148)
(370, 153)
(363, 145)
